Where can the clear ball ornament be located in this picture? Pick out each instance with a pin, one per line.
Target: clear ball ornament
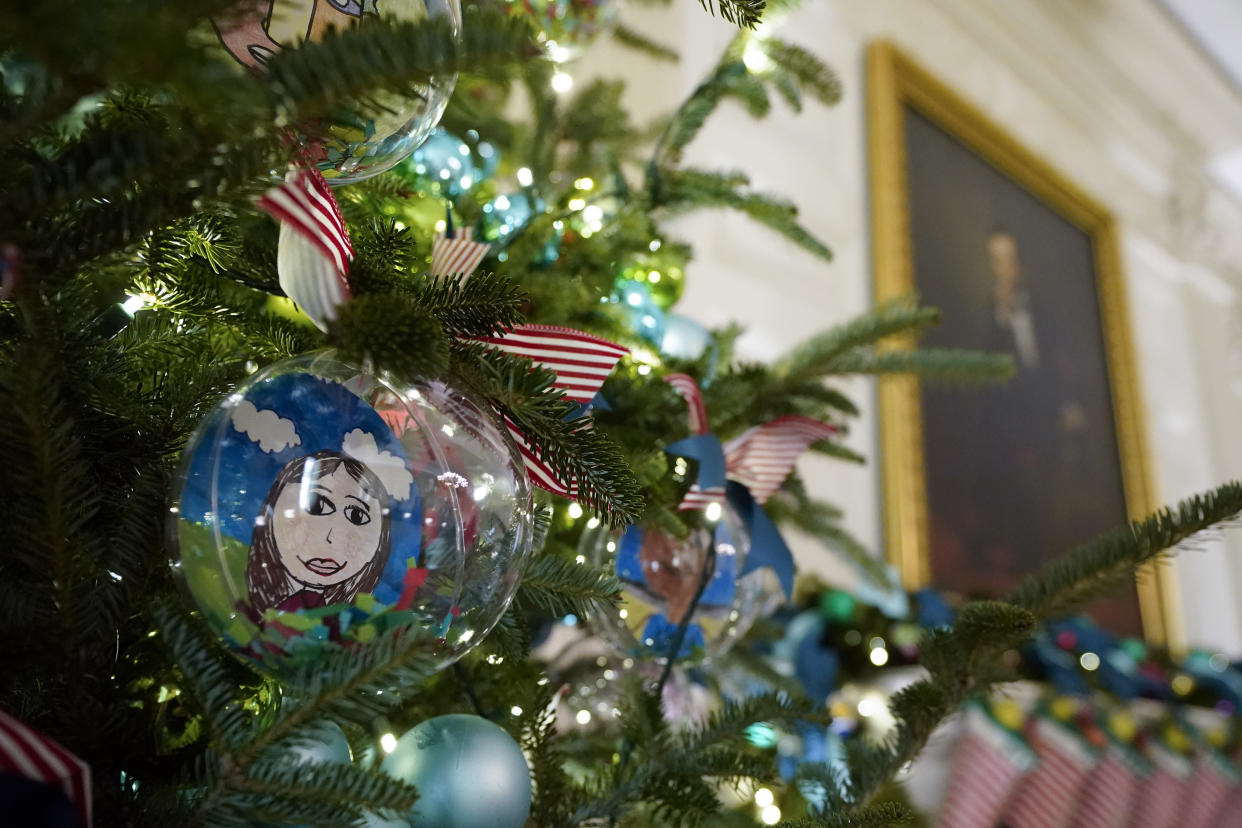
(567, 27)
(660, 575)
(322, 507)
(350, 146)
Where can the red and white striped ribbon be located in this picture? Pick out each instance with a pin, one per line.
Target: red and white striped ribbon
(689, 390)
(1109, 793)
(1207, 792)
(1048, 796)
(30, 754)
(314, 252)
(457, 256)
(988, 761)
(581, 363)
(1159, 802)
(580, 360)
(697, 498)
(762, 457)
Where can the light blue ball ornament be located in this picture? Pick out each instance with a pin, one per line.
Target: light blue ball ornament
(469, 772)
(323, 742)
(443, 165)
(640, 308)
(506, 214)
(684, 338)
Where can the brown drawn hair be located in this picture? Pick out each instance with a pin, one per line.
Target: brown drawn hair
(267, 582)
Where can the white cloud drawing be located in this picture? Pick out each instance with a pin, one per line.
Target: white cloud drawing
(388, 467)
(271, 431)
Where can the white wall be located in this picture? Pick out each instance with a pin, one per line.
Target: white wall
(1111, 93)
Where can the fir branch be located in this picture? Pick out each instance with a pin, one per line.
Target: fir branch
(882, 815)
(809, 72)
(744, 13)
(728, 724)
(324, 793)
(355, 64)
(393, 332)
(900, 315)
(634, 39)
(1109, 561)
(484, 305)
(682, 190)
(947, 365)
(559, 587)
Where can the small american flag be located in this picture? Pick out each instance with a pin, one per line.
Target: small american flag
(581, 363)
(1047, 797)
(1207, 791)
(26, 752)
(1111, 789)
(314, 252)
(458, 254)
(988, 761)
(762, 457)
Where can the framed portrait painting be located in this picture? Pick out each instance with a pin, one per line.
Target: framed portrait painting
(982, 486)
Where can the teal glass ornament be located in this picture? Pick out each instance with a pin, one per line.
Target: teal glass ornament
(640, 308)
(443, 165)
(469, 772)
(506, 214)
(684, 338)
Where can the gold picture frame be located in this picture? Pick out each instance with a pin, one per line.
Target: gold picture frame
(895, 82)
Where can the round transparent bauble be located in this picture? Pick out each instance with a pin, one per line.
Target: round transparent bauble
(384, 127)
(567, 27)
(322, 507)
(660, 576)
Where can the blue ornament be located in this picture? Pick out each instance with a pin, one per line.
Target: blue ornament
(505, 215)
(469, 772)
(642, 311)
(443, 164)
(815, 665)
(933, 612)
(684, 338)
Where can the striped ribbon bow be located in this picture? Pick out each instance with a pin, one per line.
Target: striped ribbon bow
(581, 363)
(313, 262)
(314, 252)
(28, 753)
(745, 472)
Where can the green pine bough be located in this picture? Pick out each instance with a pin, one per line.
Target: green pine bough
(134, 153)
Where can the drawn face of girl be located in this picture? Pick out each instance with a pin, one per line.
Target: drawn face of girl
(326, 529)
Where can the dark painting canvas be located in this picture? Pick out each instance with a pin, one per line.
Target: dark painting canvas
(1023, 472)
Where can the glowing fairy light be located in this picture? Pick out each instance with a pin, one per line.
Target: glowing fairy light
(575, 511)
(525, 177)
(562, 83)
(388, 742)
(755, 58)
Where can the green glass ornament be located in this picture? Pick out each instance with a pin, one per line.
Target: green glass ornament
(837, 606)
(469, 773)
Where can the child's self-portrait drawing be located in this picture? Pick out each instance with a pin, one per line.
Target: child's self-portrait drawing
(322, 535)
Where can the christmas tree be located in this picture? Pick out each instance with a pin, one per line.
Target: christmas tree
(143, 287)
